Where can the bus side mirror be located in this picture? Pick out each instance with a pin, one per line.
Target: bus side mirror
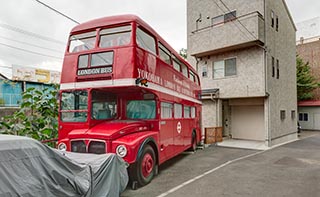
(142, 81)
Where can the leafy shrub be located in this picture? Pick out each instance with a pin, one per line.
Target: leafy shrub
(37, 116)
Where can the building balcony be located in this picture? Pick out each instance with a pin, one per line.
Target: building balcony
(241, 32)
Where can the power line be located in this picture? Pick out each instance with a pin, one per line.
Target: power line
(7, 67)
(238, 20)
(58, 12)
(25, 50)
(19, 30)
(30, 44)
(243, 33)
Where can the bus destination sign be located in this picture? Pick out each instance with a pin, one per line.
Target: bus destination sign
(94, 71)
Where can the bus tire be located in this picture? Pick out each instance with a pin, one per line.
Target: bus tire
(146, 166)
(193, 142)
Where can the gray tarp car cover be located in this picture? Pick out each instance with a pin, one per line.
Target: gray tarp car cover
(29, 168)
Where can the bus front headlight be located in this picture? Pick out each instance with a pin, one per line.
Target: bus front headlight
(62, 146)
(121, 150)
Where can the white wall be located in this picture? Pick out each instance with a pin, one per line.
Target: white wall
(313, 122)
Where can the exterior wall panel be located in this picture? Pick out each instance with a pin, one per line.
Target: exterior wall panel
(253, 77)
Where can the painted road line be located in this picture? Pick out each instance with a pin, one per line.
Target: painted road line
(207, 173)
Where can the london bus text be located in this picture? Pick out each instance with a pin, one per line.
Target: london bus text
(124, 90)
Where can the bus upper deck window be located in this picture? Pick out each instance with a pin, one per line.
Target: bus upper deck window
(82, 42)
(146, 41)
(117, 36)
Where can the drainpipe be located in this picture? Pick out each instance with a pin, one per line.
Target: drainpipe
(266, 73)
(201, 125)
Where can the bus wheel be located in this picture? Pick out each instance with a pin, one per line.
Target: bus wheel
(146, 166)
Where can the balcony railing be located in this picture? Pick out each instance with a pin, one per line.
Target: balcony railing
(244, 31)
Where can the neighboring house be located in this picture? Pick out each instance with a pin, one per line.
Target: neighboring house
(308, 48)
(309, 51)
(309, 114)
(11, 94)
(11, 91)
(308, 30)
(245, 52)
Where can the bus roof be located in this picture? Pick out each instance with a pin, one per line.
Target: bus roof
(127, 18)
(109, 20)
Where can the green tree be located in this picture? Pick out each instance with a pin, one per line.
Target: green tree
(183, 53)
(37, 116)
(306, 83)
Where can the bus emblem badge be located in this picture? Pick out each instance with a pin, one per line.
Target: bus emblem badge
(179, 127)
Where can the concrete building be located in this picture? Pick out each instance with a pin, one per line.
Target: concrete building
(245, 52)
(308, 48)
(309, 51)
(308, 30)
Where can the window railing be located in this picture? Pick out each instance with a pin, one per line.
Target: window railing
(226, 21)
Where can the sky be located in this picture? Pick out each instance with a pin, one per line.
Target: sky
(33, 35)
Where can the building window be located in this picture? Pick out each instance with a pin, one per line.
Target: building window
(303, 117)
(272, 19)
(278, 71)
(230, 16)
(224, 68)
(204, 70)
(224, 18)
(293, 114)
(282, 114)
(273, 68)
(277, 23)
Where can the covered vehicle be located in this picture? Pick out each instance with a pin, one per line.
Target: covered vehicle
(29, 168)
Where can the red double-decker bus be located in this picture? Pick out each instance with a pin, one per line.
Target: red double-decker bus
(124, 90)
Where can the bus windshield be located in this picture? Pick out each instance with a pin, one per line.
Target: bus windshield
(117, 36)
(109, 37)
(104, 105)
(74, 106)
(141, 109)
(82, 42)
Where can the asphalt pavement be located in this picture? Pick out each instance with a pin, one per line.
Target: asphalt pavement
(291, 170)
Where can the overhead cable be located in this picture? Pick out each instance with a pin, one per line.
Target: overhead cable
(33, 52)
(7, 67)
(19, 30)
(31, 44)
(238, 20)
(57, 11)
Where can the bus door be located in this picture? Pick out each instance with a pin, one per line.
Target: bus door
(166, 130)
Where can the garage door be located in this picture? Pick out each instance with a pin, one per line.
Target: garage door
(316, 122)
(248, 122)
